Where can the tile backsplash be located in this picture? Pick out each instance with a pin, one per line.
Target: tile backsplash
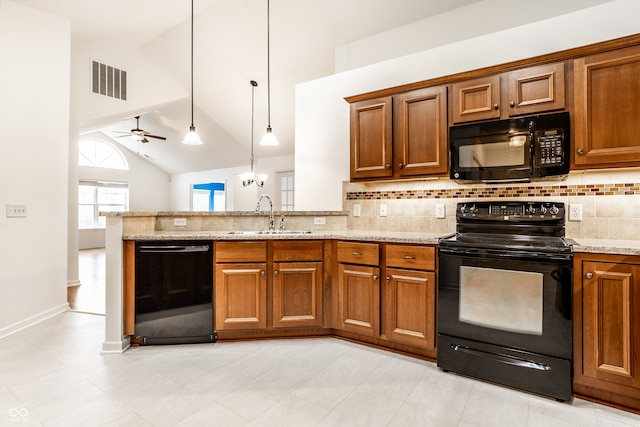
(610, 203)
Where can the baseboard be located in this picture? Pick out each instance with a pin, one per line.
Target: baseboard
(115, 347)
(30, 321)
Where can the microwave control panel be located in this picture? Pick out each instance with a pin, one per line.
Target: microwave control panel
(549, 144)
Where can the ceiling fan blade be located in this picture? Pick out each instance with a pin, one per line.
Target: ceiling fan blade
(155, 136)
(121, 131)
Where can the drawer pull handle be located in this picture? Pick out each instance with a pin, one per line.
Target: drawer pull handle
(409, 257)
(356, 253)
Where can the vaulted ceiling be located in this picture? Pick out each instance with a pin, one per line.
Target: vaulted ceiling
(230, 49)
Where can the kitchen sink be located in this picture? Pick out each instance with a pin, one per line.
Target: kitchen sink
(276, 232)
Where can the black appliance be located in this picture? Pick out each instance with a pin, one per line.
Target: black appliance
(518, 149)
(504, 296)
(174, 292)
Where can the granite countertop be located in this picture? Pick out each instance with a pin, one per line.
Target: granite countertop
(602, 246)
(359, 235)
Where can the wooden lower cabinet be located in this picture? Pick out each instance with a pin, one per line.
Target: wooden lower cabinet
(607, 329)
(409, 307)
(297, 294)
(359, 299)
(241, 296)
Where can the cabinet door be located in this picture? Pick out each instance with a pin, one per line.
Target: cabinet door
(359, 299)
(420, 132)
(536, 89)
(477, 99)
(241, 291)
(409, 307)
(371, 138)
(611, 329)
(607, 110)
(297, 294)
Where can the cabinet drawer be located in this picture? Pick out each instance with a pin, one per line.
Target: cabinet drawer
(358, 253)
(412, 257)
(241, 251)
(297, 250)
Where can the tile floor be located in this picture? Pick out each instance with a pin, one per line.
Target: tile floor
(89, 296)
(53, 374)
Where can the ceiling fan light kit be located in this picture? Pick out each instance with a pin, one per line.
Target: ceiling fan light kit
(139, 134)
(192, 138)
(269, 139)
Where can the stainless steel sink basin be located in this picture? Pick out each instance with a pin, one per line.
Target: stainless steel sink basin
(276, 232)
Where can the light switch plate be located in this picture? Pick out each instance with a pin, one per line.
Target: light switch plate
(356, 210)
(383, 210)
(319, 220)
(180, 222)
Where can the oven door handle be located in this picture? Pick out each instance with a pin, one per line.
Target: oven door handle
(509, 360)
(506, 253)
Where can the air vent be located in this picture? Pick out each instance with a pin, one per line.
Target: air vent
(109, 81)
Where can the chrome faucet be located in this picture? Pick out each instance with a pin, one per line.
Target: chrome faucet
(272, 226)
(281, 228)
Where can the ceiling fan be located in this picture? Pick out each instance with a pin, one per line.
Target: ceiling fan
(139, 134)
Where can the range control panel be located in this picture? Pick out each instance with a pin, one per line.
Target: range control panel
(510, 210)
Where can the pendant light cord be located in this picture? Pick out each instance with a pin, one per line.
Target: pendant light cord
(192, 63)
(268, 70)
(253, 91)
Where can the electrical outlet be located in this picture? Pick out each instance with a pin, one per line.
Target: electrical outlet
(319, 220)
(440, 213)
(16, 211)
(356, 210)
(180, 222)
(575, 212)
(383, 210)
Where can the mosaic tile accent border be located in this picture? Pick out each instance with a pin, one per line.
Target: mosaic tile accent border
(502, 192)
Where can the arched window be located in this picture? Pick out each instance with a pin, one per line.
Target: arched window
(101, 154)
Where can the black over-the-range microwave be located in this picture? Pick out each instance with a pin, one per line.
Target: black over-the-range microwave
(518, 149)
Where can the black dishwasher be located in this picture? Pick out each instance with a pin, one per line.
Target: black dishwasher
(174, 292)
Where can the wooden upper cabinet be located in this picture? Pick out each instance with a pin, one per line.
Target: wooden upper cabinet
(535, 89)
(477, 99)
(526, 91)
(371, 138)
(420, 132)
(607, 110)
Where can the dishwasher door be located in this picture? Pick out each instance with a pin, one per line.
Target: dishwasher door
(174, 292)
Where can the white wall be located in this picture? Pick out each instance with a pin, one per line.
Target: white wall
(34, 140)
(322, 115)
(239, 198)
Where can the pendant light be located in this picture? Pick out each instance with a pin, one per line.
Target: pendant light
(269, 138)
(250, 177)
(192, 138)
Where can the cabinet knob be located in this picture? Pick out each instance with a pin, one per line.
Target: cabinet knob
(589, 275)
(388, 166)
(580, 151)
(512, 104)
(262, 273)
(275, 273)
(400, 165)
(375, 277)
(496, 106)
(388, 279)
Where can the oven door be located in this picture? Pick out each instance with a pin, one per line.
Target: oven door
(517, 300)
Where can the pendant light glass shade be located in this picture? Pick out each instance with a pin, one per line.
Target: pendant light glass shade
(269, 139)
(192, 138)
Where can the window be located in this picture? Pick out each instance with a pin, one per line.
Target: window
(208, 197)
(286, 190)
(97, 153)
(94, 197)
